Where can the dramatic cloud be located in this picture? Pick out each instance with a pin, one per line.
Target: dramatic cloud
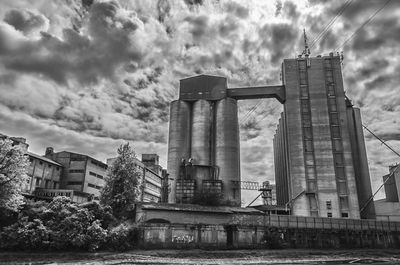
(88, 75)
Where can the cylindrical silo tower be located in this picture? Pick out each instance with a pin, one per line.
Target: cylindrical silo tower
(201, 132)
(227, 151)
(202, 118)
(179, 140)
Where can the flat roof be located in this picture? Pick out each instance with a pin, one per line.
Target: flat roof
(197, 208)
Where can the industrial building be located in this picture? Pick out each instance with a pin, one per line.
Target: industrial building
(388, 209)
(321, 166)
(154, 179)
(81, 172)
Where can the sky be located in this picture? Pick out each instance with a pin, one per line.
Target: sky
(86, 76)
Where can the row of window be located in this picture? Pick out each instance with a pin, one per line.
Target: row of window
(94, 186)
(337, 145)
(48, 184)
(99, 164)
(76, 171)
(74, 183)
(96, 175)
(41, 163)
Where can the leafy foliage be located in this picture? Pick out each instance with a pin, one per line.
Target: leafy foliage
(13, 168)
(208, 198)
(123, 183)
(62, 225)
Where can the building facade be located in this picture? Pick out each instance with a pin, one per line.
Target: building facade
(43, 173)
(321, 166)
(81, 172)
(388, 209)
(153, 179)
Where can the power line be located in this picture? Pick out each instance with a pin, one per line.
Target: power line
(248, 114)
(323, 33)
(363, 25)
(383, 142)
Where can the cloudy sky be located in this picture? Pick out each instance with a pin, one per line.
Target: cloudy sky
(86, 76)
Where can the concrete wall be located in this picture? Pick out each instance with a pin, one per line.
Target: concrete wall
(47, 174)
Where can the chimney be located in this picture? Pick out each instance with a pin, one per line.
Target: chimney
(49, 152)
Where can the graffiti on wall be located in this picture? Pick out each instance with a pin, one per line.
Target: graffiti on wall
(183, 239)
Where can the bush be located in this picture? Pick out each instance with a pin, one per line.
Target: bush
(25, 234)
(61, 225)
(122, 237)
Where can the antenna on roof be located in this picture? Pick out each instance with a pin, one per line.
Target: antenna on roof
(306, 51)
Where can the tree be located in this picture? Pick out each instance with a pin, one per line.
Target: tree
(123, 183)
(13, 168)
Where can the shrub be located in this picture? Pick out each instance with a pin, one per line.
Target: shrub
(25, 234)
(122, 237)
(60, 225)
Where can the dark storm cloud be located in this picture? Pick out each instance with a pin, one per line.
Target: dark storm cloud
(378, 64)
(199, 25)
(382, 31)
(282, 39)
(26, 21)
(237, 9)
(112, 38)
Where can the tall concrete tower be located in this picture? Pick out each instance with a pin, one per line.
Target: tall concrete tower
(320, 159)
(203, 149)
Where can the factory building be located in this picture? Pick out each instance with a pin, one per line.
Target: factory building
(154, 180)
(43, 173)
(320, 158)
(321, 166)
(388, 209)
(81, 172)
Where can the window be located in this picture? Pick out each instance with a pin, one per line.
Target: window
(344, 202)
(313, 203)
(327, 63)
(329, 205)
(332, 104)
(31, 160)
(308, 146)
(305, 105)
(345, 215)
(37, 182)
(77, 158)
(306, 119)
(335, 130)
(76, 171)
(310, 171)
(302, 64)
(303, 78)
(337, 145)
(331, 90)
(329, 77)
(46, 184)
(330, 215)
(40, 163)
(342, 188)
(74, 183)
(57, 168)
(340, 174)
(55, 185)
(311, 186)
(307, 133)
(338, 158)
(334, 118)
(303, 91)
(309, 158)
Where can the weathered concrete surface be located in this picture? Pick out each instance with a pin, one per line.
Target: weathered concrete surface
(196, 256)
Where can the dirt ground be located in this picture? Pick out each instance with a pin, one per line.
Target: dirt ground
(197, 256)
